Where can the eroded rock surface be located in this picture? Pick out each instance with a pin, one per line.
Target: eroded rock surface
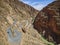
(47, 22)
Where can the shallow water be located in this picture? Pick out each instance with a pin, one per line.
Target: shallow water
(14, 40)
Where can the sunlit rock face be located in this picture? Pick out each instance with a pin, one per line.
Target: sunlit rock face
(15, 17)
(47, 22)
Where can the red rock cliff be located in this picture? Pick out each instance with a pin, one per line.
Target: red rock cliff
(47, 22)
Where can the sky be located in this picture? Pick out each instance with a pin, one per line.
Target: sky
(37, 4)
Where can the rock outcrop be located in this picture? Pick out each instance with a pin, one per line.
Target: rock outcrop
(47, 22)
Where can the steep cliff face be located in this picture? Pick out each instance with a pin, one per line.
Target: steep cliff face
(47, 22)
(14, 18)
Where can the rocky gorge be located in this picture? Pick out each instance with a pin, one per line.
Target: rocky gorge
(18, 24)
